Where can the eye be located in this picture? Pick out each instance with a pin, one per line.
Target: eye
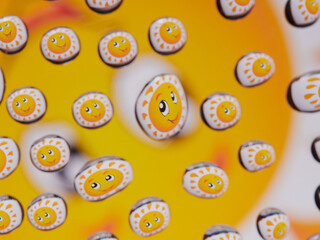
(47, 215)
(51, 152)
(116, 44)
(95, 185)
(7, 24)
(280, 232)
(157, 219)
(44, 157)
(110, 178)
(40, 219)
(61, 36)
(96, 105)
(88, 110)
(24, 100)
(232, 107)
(123, 40)
(175, 27)
(210, 185)
(164, 108)
(54, 41)
(18, 104)
(173, 97)
(1, 218)
(148, 225)
(1, 29)
(219, 181)
(263, 66)
(169, 30)
(264, 157)
(226, 110)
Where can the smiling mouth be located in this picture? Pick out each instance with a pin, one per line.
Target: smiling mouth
(27, 110)
(97, 116)
(173, 120)
(124, 50)
(52, 161)
(63, 46)
(8, 34)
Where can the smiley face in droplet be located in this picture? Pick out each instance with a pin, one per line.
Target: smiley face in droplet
(263, 157)
(170, 32)
(103, 177)
(149, 216)
(118, 49)
(205, 180)
(261, 67)
(59, 42)
(45, 216)
(211, 183)
(47, 211)
(226, 111)
(49, 155)
(13, 34)
(280, 230)
(165, 107)
(152, 221)
(92, 110)
(167, 35)
(256, 155)
(24, 105)
(8, 31)
(60, 45)
(221, 232)
(273, 224)
(254, 69)
(161, 107)
(302, 13)
(220, 111)
(103, 181)
(119, 46)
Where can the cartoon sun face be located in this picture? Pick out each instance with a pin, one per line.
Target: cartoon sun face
(273, 224)
(50, 153)
(304, 93)
(256, 155)
(103, 177)
(235, 9)
(221, 232)
(9, 156)
(220, 111)
(47, 211)
(45, 216)
(11, 214)
(205, 180)
(13, 34)
(161, 107)
(118, 48)
(60, 44)
(103, 6)
(167, 35)
(92, 110)
(149, 216)
(254, 69)
(26, 105)
(103, 235)
(302, 13)
(2, 85)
